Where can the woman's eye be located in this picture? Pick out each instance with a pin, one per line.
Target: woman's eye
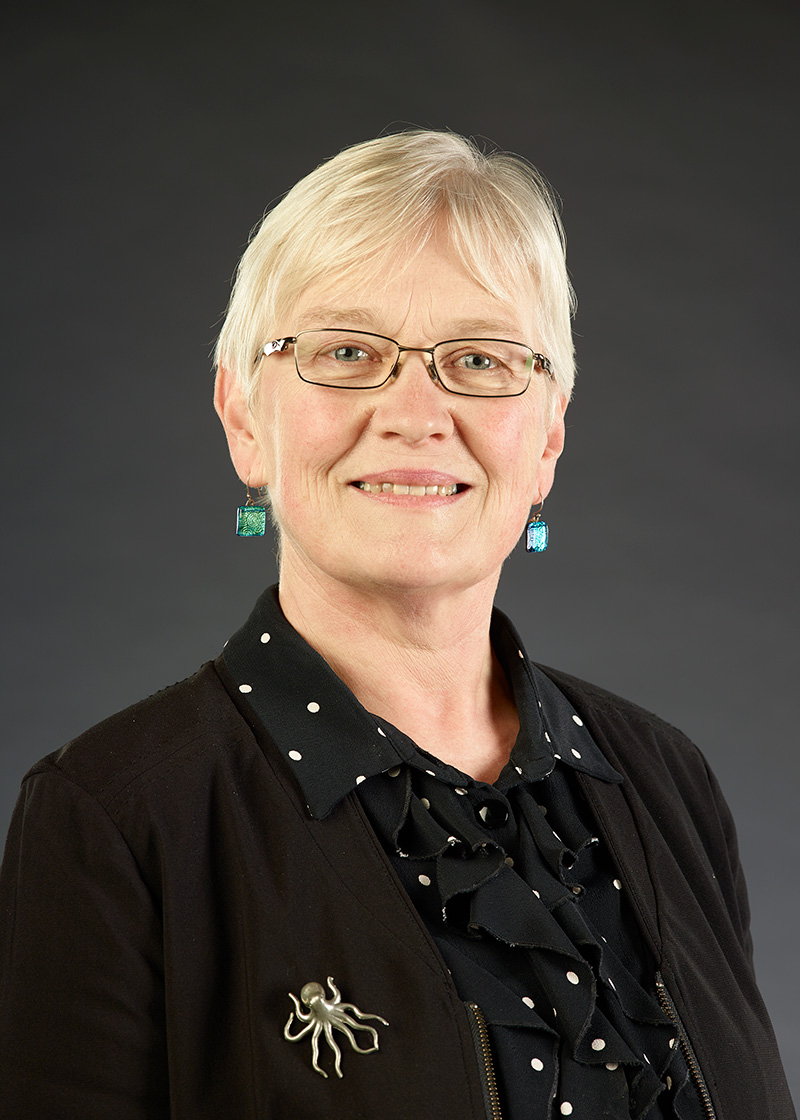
(349, 354)
(477, 363)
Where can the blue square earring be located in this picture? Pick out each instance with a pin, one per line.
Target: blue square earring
(251, 520)
(536, 531)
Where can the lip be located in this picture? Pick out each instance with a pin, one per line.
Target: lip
(412, 477)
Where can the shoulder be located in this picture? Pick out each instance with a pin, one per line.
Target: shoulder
(161, 733)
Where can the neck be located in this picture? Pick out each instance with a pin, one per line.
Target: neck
(420, 658)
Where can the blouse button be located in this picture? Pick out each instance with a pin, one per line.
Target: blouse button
(494, 814)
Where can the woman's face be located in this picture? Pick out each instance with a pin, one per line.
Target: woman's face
(315, 445)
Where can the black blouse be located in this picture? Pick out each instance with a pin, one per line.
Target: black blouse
(514, 886)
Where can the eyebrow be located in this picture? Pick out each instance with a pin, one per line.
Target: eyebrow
(355, 316)
(315, 317)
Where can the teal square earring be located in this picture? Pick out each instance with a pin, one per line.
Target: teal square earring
(251, 520)
(536, 531)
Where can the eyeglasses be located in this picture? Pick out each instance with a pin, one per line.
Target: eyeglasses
(470, 367)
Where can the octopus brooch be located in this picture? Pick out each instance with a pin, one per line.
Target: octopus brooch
(326, 1015)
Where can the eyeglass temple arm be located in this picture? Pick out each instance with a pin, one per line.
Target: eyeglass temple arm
(277, 346)
(545, 364)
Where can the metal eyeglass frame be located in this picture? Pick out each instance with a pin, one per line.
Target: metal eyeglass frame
(278, 346)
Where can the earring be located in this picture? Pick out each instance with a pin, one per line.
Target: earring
(251, 520)
(536, 531)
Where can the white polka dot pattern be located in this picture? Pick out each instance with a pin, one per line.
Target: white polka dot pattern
(313, 706)
(537, 1064)
(295, 756)
(245, 688)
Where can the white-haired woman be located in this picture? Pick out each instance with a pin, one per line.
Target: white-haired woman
(373, 861)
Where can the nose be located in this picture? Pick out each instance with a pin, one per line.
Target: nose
(414, 407)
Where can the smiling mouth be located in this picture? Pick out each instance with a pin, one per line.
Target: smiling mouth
(413, 491)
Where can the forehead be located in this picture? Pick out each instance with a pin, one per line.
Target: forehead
(431, 290)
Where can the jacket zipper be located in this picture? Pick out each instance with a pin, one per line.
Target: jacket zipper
(695, 1072)
(480, 1036)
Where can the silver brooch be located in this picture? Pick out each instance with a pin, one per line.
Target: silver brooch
(325, 1015)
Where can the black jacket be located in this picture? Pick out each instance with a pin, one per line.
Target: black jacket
(164, 890)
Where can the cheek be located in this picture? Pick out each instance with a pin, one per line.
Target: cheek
(516, 441)
(302, 441)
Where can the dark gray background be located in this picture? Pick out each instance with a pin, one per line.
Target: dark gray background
(141, 145)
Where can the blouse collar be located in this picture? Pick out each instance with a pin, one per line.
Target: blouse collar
(332, 743)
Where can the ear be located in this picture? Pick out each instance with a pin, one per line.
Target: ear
(237, 420)
(554, 444)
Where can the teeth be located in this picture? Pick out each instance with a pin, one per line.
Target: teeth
(399, 488)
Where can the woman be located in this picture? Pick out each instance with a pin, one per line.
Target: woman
(373, 861)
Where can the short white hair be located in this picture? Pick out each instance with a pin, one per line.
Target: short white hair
(390, 195)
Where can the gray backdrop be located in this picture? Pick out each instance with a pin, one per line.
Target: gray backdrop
(142, 143)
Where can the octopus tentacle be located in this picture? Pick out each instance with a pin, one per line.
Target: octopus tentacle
(345, 1023)
(315, 1049)
(296, 1037)
(351, 1007)
(334, 1046)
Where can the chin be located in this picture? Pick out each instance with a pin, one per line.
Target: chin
(419, 572)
